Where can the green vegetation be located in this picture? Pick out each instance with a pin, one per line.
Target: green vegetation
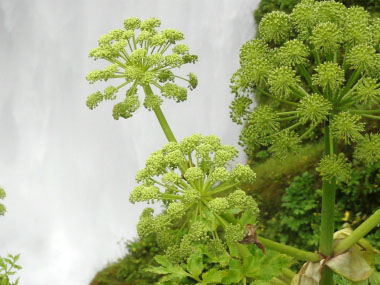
(130, 269)
(206, 211)
(320, 64)
(8, 266)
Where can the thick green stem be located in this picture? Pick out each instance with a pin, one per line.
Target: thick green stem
(164, 124)
(371, 116)
(161, 118)
(328, 207)
(358, 233)
(364, 111)
(291, 251)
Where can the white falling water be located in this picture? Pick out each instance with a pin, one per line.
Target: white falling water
(67, 170)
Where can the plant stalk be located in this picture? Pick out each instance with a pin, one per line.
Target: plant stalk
(358, 233)
(291, 251)
(160, 117)
(328, 207)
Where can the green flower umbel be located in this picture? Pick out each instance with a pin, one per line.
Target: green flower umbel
(325, 73)
(201, 191)
(139, 55)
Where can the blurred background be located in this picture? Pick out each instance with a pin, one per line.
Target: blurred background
(68, 171)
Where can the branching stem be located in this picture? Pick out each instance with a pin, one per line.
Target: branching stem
(160, 117)
(291, 251)
(358, 233)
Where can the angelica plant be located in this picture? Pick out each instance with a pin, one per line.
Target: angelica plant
(206, 210)
(323, 62)
(142, 57)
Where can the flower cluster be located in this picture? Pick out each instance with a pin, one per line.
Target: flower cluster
(197, 182)
(322, 63)
(139, 56)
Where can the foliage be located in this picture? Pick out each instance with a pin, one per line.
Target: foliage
(8, 266)
(297, 221)
(267, 6)
(131, 268)
(258, 266)
(274, 175)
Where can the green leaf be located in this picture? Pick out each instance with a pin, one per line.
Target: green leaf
(213, 276)
(375, 278)
(195, 264)
(234, 252)
(162, 260)
(210, 220)
(247, 218)
(157, 270)
(265, 267)
(222, 258)
(233, 276)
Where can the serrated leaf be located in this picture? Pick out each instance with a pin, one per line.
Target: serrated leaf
(235, 264)
(195, 264)
(213, 276)
(234, 252)
(247, 218)
(210, 220)
(351, 265)
(233, 276)
(375, 278)
(158, 270)
(265, 267)
(17, 257)
(162, 260)
(222, 258)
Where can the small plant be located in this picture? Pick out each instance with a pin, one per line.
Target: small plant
(208, 229)
(8, 266)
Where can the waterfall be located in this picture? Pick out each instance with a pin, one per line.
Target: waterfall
(68, 171)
